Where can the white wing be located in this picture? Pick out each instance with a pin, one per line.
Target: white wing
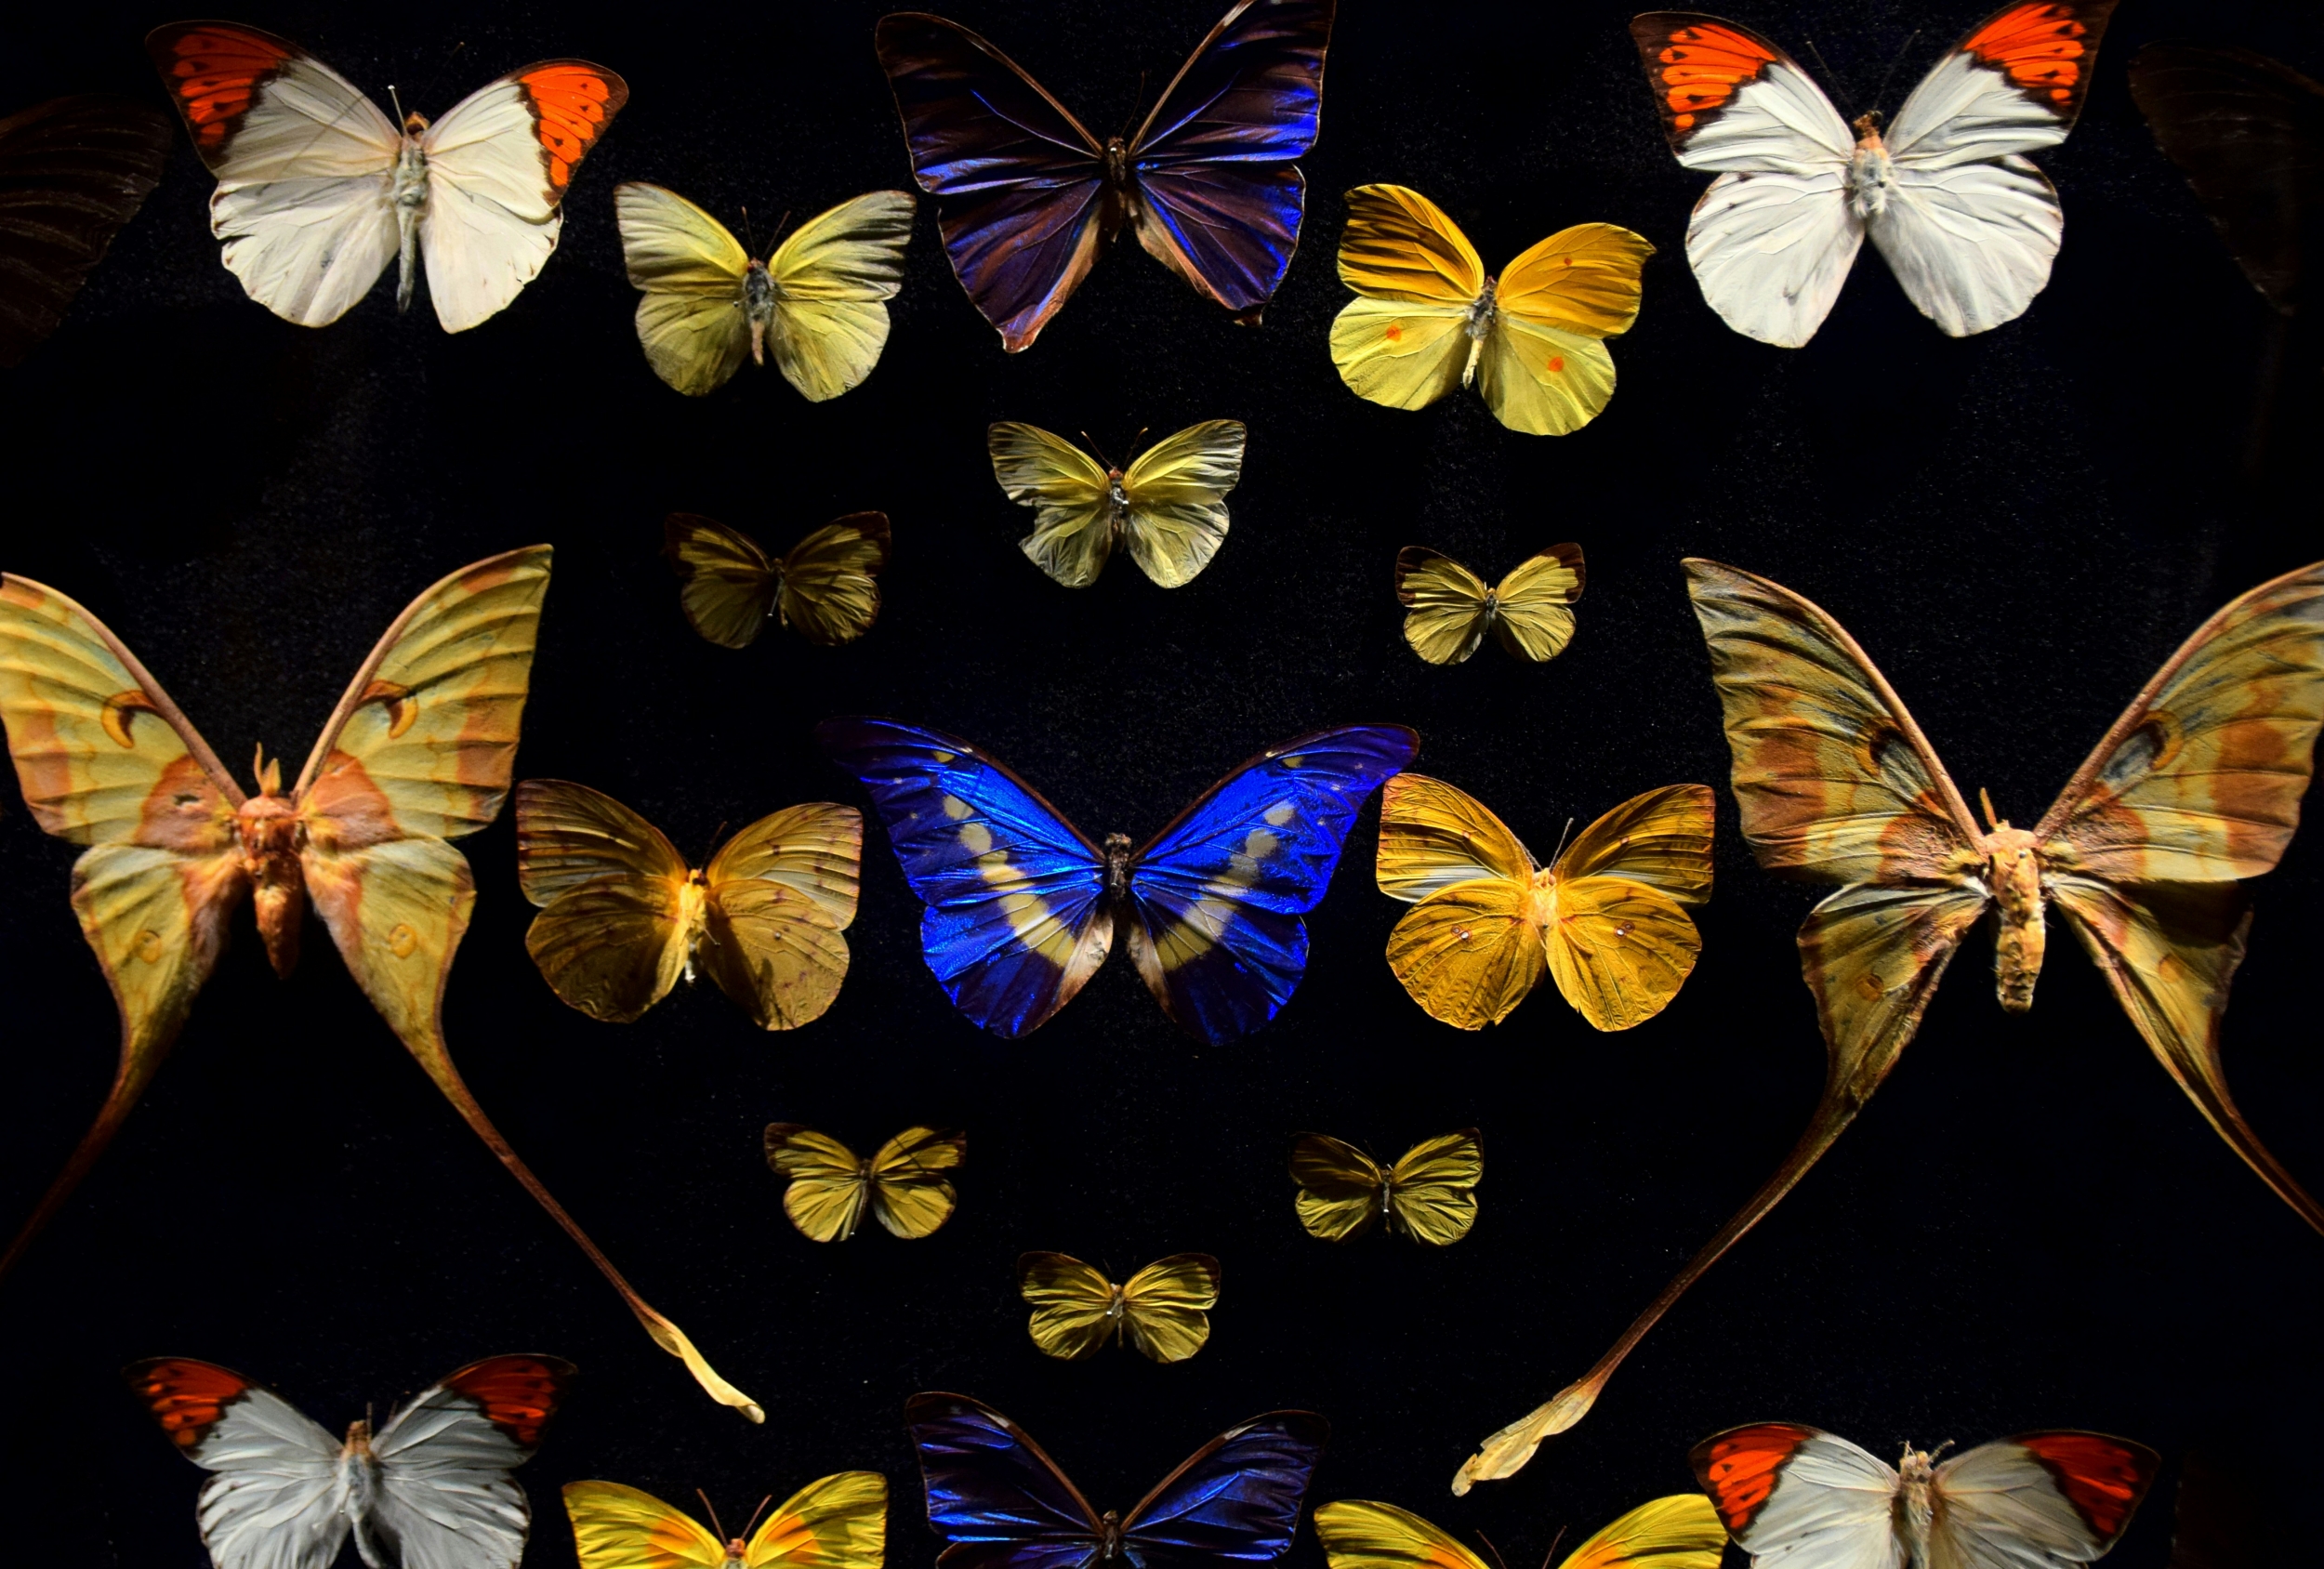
(445, 1500)
(2038, 1501)
(1771, 250)
(274, 1499)
(1830, 1505)
(1972, 243)
(304, 164)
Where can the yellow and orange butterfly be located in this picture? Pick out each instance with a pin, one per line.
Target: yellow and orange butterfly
(828, 587)
(1608, 919)
(1678, 1532)
(2197, 786)
(1429, 1194)
(623, 916)
(838, 1522)
(904, 1185)
(1431, 319)
(1452, 608)
(417, 753)
(1163, 1310)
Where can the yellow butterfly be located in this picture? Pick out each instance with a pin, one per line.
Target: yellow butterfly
(1678, 1532)
(835, 1522)
(1163, 1311)
(1432, 319)
(904, 1185)
(1451, 608)
(1608, 919)
(1429, 1194)
(827, 586)
(1170, 508)
(623, 916)
(818, 302)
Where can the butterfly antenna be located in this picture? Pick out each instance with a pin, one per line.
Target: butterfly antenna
(1098, 450)
(1986, 801)
(1499, 1561)
(1562, 836)
(1132, 119)
(1832, 76)
(1137, 443)
(1895, 60)
(714, 1515)
(715, 838)
(749, 243)
(426, 92)
(757, 1512)
(1553, 1544)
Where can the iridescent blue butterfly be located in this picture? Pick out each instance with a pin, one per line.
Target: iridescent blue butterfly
(1003, 1504)
(1023, 908)
(1026, 197)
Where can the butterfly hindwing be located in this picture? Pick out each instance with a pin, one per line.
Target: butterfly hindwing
(833, 277)
(828, 1184)
(608, 940)
(445, 1495)
(1176, 491)
(1340, 1187)
(910, 1195)
(776, 899)
(620, 1527)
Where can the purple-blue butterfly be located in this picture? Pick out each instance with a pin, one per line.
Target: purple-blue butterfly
(1023, 907)
(1003, 1504)
(1026, 197)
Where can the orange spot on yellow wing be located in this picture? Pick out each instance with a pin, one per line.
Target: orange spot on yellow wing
(1557, 363)
(1395, 333)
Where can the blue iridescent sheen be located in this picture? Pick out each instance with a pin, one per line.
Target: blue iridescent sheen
(1023, 907)
(1002, 1503)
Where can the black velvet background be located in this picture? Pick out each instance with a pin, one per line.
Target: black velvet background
(2030, 1226)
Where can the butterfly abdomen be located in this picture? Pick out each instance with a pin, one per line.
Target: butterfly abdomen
(2013, 872)
(272, 832)
(409, 194)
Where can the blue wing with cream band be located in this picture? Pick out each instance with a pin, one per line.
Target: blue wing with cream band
(1016, 918)
(1219, 893)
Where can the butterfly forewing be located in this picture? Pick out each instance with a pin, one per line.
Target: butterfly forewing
(1433, 1195)
(2040, 1500)
(1534, 619)
(1000, 1500)
(75, 169)
(826, 1194)
(1340, 1187)
(1237, 1497)
(1165, 1306)
(910, 1195)
(690, 268)
(608, 939)
(619, 1527)
(830, 588)
(833, 277)
(838, 1522)
(1177, 495)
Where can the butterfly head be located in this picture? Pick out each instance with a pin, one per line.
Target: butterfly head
(1871, 177)
(1110, 1543)
(1117, 161)
(1118, 848)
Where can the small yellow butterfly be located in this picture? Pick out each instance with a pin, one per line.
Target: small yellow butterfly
(1168, 508)
(1608, 919)
(818, 303)
(1430, 318)
(827, 588)
(839, 1521)
(1163, 1311)
(904, 1185)
(1678, 1532)
(1452, 608)
(1429, 1195)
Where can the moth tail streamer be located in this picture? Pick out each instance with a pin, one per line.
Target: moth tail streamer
(2206, 1084)
(1505, 1453)
(139, 1061)
(434, 1057)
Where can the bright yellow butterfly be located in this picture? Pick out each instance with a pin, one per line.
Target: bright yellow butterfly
(1678, 1532)
(837, 1522)
(623, 916)
(904, 1185)
(1168, 508)
(828, 587)
(1429, 1195)
(1608, 919)
(1452, 608)
(1163, 1311)
(1432, 319)
(818, 302)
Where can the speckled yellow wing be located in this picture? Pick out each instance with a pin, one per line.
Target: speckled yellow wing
(609, 938)
(838, 1522)
(1446, 608)
(1340, 1187)
(910, 1195)
(1620, 944)
(1534, 617)
(1071, 1302)
(1069, 493)
(1165, 1306)
(828, 1183)
(1176, 491)
(726, 584)
(618, 1527)
(1431, 1189)
(830, 588)
(1470, 950)
(833, 278)
(777, 896)
(1403, 342)
(691, 320)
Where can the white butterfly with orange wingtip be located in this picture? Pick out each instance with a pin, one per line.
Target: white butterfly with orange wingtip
(317, 190)
(1969, 227)
(1802, 1498)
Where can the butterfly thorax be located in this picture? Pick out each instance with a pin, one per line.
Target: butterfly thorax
(693, 913)
(359, 1472)
(1116, 504)
(1915, 1506)
(2013, 872)
(759, 294)
(1870, 176)
(1478, 325)
(1118, 848)
(270, 834)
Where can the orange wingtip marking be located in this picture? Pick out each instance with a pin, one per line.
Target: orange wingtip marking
(572, 106)
(1740, 1469)
(215, 72)
(187, 1398)
(1704, 66)
(2102, 1479)
(2039, 47)
(518, 1394)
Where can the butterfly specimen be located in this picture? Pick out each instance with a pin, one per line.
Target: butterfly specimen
(1429, 1194)
(1679, 1532)
(904, 1185)
(1001, 1503)
(1608, 919)
(419, 751)
(623, 916)
(1452, 608)
(1163, 1310)
(837, 1522)
(1431, 319)
(1968, 225)
(827, 587)
(2195, 787)
(1026, 198)
(1023, 907)
(72, 171)
(1808, 1499)
(429, 1490)
(818, 301)
(1169, 508)
(318, 192)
